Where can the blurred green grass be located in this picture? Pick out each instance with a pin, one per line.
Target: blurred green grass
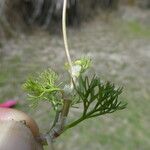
(135, 28)
(139, 29)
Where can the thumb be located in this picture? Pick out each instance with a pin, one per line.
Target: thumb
(16, 136)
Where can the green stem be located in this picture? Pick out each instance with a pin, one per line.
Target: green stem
(89, 114)
(55, 120)
(49, 91)
(85, 116)
(73, 124)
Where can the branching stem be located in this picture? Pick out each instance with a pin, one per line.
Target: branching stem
(59, 123)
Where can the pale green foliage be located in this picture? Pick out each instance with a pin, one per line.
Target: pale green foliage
(79, 66)
(43, 87)
(85, 63)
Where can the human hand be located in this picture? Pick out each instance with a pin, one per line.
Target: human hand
(18, 131)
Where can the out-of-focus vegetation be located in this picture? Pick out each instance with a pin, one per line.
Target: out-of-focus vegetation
(47, 13)
(24, 14)
(118, 43)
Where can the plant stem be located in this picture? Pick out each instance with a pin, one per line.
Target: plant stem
(65, 36)
(55, 120)
(50, 143)
(59, 123)
(65, 109)
(73, 124)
